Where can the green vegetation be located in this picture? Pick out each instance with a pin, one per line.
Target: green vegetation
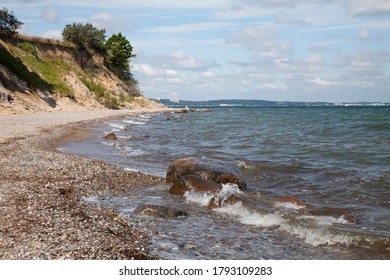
(85, 36)
(117, 50)
(103, 96)
(118, 55)
(51, 70)
(17, 67)
(9, 24)
(28, 47)
(42, 63)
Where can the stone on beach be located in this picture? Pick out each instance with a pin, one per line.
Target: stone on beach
(159, 211)
(220, 172)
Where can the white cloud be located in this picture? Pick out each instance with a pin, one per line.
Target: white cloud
(50, 14)
(363, 35)
(103, 21)
(190, 27)
(318, 81)
(150, 71)
(265, 42)
(178, 60)
(275, 86)
(166, 4)
(52, 34)
(369, 7)
(284, 19)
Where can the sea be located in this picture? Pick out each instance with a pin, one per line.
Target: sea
(334, 160)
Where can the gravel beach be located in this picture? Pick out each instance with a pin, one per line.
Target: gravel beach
(42, 214)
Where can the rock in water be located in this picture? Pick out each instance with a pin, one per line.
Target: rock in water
(220, 172)
(159, 211)
(110, 136)
(193, 183)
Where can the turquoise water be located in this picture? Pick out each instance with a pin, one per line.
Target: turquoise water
(334, 159)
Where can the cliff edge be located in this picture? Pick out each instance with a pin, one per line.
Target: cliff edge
(38, 74)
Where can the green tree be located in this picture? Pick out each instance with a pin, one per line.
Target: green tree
(85, 36)
(118, 55)
(9, 24)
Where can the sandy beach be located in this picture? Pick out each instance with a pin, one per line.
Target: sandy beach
(42, 214)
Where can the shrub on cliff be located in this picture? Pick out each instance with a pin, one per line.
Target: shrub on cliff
(85, 36)
(118, 55)
(9, 24)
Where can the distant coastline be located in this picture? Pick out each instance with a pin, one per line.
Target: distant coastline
(266, 103)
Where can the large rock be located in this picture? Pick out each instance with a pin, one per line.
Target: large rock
(159, 211)
(220, 172)
(193, 183)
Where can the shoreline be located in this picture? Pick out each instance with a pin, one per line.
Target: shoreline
(41, 191)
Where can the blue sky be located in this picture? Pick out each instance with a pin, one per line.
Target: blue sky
(317, 50)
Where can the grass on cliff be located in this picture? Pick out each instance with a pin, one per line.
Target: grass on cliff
(102, 95)
(51, 72)
(19, 69)
(45, 73)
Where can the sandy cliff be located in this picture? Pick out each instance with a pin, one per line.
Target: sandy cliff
(39, 74)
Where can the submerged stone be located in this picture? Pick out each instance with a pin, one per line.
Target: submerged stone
(159, 211)
(218, 171)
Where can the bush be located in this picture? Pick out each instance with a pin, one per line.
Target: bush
(9, 24)
(118, 54)
(85, 36)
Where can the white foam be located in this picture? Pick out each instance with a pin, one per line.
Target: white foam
(248, 217)
(134, 122)
(201, 198)
(324, 220)
(229, 189)
(317, 236)
(133, 152)
(132, 169)
(110, 144)
(288, 205)
(243, 164)
(118, 126)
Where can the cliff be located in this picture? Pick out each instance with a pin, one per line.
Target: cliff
(39, 74)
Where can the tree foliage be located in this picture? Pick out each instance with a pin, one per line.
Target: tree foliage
(118, 55)
(9, 24)
(85, 36)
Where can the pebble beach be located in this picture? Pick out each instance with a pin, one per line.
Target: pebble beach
(42, 214)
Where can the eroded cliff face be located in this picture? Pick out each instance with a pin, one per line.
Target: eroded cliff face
(38, 74)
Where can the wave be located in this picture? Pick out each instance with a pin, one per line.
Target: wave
(134, 122)
(288, 217)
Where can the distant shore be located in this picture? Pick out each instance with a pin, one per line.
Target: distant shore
(41, 191)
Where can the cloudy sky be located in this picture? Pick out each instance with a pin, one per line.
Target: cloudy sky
(307, 50)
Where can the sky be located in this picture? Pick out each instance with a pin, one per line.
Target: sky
(282, 50)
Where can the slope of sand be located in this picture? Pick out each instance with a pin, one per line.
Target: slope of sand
(42, 214)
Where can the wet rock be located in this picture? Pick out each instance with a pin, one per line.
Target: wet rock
(293, 199)
(159, 211)
(193, 183)
(181, 111)
(220, 172)
(217, 202)
(110, 136)
(350, 218)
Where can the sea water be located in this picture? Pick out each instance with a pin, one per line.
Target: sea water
(333, 159)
